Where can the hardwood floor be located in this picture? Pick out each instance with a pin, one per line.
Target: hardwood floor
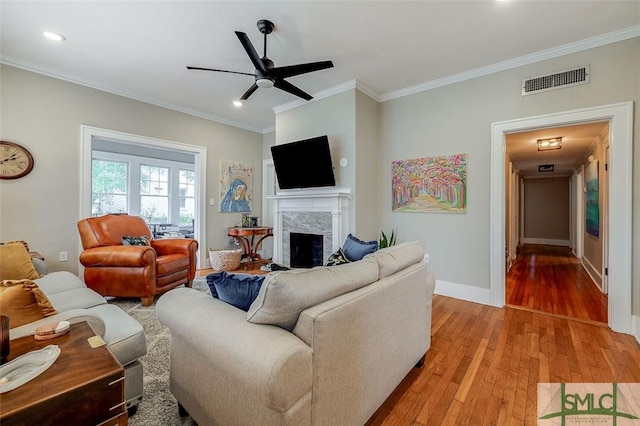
(484, 365)
(551, 279)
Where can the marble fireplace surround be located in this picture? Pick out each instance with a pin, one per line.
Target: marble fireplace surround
(320, 211)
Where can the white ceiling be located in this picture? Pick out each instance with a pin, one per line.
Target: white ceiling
(140, 48)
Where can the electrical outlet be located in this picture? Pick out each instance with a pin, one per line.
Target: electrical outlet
(64, 256)
(212, 201)
(425, 259)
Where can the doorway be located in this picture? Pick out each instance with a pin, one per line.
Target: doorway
(90, 134)
(620, 117)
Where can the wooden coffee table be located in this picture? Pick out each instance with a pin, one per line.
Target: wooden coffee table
(83, 386)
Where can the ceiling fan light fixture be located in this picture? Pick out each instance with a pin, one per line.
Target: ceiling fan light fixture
(237, 103)
(53, 36)
(264, 83)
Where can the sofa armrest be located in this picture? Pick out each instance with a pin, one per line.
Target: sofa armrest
(166, 246)
(216, 344)
(120, 256)
(73, 316)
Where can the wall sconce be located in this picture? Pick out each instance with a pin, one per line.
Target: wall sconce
(549, 144)
(590, 158)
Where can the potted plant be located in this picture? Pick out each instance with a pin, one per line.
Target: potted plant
(384, 242)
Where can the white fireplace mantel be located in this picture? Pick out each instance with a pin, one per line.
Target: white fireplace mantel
(306, 203)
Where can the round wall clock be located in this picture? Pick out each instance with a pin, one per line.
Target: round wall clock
(15, 160)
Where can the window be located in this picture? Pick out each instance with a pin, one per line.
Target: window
(187, 189)
(109, 187)
(160, 191)
(154, 194)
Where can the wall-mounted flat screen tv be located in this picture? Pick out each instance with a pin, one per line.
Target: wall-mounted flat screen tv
(303, 164)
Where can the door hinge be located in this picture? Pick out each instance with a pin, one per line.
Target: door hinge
(606, 167)
(606, 271)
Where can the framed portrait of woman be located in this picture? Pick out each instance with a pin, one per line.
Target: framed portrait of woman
(235, 187)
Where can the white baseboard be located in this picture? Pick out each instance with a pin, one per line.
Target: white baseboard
(463, 292)
(595, 275)
(635, 327)
(546, 241)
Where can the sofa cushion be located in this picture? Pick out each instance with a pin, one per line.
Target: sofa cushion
(284, 294)
(15, 263)
(356, 249)
(24, 302)
(239, 290)
(141, 240)
(395, 258)
(337, 258)
(66, 291)
(123, 334)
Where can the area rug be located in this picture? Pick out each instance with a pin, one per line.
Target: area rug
(158, 406)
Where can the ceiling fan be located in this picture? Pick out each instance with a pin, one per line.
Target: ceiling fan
(266, 75)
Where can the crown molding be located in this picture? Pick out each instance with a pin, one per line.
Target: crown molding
(151, 101)
(565, 49)
(323, 94)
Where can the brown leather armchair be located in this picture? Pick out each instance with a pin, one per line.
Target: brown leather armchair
(113, 269)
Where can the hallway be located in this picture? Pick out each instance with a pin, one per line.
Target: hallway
(550, 279)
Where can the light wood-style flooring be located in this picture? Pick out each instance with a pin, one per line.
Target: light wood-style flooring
(485, 363)
(551, 279)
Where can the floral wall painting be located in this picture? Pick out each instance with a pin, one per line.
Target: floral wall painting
(592, 212)
(431, 184)
(235, 187)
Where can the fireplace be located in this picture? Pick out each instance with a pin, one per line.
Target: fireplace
(305, 250)
(322, 212)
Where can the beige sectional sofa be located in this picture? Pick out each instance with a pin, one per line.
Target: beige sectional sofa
(75, 302)
(322, 346)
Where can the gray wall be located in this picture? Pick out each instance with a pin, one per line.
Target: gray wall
(45, 114)
(335, 117)
(457, 119)
(546, 209)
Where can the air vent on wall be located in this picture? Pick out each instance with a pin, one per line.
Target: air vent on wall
(558, 80)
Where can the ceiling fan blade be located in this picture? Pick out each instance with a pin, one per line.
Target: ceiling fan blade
(291, 70)
(213, 69)
(288, 87)
(249, 91)
(251, 51)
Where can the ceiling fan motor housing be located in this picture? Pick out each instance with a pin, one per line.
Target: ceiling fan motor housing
(265, 26)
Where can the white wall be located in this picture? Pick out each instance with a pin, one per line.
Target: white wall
(457, 119)
(45, 114)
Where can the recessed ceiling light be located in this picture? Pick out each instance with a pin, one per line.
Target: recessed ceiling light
(237, 103)
(53, 36)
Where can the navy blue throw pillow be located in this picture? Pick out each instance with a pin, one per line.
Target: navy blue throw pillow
(239, 290)
(355, 249)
